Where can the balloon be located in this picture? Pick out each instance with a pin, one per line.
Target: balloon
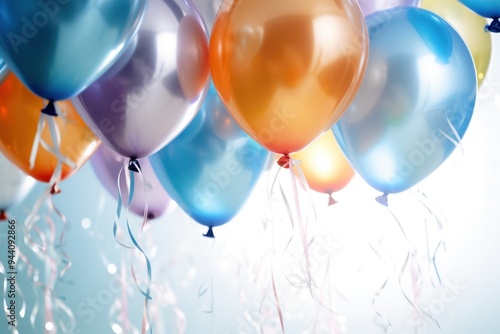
(212, 166)
(59, 47)
(107, 164)
(486, 8)
(425, 81)
(324, 165)
(15, 185)
(151, 94)
(470, 27)
(287, 71)
(370, 6)
(19, 115)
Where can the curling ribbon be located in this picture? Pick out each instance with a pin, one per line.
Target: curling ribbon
(402, 271)
(134, 167)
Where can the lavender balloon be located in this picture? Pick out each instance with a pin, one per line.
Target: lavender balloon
(370, 6)
(107, 164)
(155, 89)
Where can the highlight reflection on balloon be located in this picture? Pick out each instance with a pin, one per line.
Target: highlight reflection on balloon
(324, 165)
(286, 73)
(211, 168)
(427, 99)
(470, 27)
(147, 98)
(19, 115)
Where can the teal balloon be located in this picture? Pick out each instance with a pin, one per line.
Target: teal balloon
(486, 8)
(415, 102)
(59, 47)
(211, 168)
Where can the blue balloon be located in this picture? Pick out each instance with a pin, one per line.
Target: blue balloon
(486, 8)
(59, 47)
(415, 102)
(211, 168)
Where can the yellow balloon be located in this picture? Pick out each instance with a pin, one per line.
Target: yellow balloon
(470, 26)
(288, 70)
(324, 166)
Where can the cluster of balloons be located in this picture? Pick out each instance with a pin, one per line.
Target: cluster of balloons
(383, 88)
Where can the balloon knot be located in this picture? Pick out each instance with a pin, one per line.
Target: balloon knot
(55, 189)
(134, 166)
(284, 161)
(151, 216)
(210, 233)
(3, 215)
(383, 199)
(331, 200)
(494, 26)
(50, 109)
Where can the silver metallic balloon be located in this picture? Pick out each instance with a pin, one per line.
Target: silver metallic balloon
(155, 89)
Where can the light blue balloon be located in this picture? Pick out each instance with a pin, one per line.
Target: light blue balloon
(59, 47)
(486, 8)
(415, 102)
(211, 168)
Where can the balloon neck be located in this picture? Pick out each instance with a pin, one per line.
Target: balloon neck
(50, 109)
(3, 215)
(383, 199)
(210, 233)
(331, 200)
(284, 161)
(494, 26)
(134, 166)
(55, 189)
(151, 216)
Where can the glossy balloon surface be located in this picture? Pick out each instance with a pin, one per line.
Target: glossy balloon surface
(19, 116)
(155, 89)
(415, 103)
(287, 70)
(59, 47)
(211, 168)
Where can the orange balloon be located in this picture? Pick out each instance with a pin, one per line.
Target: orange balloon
(288, 70)
(324, 165)
(19, 114)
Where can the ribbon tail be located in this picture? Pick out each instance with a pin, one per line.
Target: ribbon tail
(36, 140)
